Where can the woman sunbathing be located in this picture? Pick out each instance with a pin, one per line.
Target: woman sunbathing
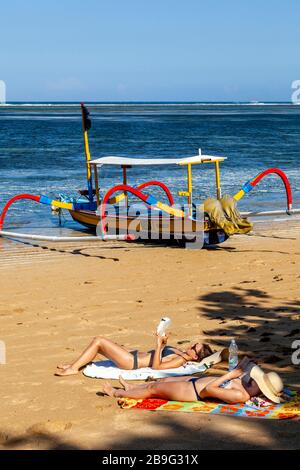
(237, 386)
(163, 357)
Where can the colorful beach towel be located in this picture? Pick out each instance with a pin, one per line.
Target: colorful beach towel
(256, 408)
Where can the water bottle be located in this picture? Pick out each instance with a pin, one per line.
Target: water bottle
(233, 355)
(164, 324)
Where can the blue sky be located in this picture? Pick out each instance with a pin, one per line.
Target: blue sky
(159, 50)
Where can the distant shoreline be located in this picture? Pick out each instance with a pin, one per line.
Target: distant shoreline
(151, 103)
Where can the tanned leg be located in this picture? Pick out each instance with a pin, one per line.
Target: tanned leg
(128, 386)
(119, 355)
(178, 391)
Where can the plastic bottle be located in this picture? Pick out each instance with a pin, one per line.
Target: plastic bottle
(164, 324)
(233, 355)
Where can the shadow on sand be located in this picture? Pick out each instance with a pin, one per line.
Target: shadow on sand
(173, 431)
(264, 331)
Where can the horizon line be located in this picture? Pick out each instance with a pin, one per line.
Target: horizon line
(149, 101)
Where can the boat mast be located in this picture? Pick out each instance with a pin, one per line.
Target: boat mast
(86, 125)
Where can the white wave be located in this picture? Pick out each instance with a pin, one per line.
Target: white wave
(148, 104)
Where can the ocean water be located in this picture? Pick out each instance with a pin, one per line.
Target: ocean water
(41, 150)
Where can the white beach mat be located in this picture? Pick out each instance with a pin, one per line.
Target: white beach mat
(108, 370)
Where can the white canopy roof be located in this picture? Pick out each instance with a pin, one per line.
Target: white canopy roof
(111, 160)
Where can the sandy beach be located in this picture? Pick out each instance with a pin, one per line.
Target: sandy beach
(55, 298)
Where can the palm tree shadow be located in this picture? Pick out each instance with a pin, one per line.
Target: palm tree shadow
(35, 440)
(209, 432)
(244, 314)
(180, 431)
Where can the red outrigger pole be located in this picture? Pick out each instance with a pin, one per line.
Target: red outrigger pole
(252, 183)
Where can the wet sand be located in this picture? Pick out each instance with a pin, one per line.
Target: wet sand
(55, 298)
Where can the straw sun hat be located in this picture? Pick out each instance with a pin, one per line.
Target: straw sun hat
(269, 383)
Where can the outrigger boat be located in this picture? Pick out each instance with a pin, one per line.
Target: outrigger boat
(116, 217)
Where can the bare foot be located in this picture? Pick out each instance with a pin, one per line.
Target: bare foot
(125, 384)
(64, 372)
(108, 389)
(63, 366)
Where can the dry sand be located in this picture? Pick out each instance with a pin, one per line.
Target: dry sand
(55, 298)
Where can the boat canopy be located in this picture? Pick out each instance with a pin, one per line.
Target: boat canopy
(125, 161)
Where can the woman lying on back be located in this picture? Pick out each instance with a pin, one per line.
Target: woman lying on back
(237, 386)
(162, 357)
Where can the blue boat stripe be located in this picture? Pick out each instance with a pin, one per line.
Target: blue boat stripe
(45, 200)
(247, 187)
(151, 200)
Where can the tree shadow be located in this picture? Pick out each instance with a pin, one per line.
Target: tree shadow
(210, 432)
(261, 330)
(35, 440)
(154, 430)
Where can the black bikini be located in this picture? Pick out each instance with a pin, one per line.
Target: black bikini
(135, 359)
(194, 380)
(165, 352)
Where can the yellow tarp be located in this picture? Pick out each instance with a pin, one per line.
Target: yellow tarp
(224, 213)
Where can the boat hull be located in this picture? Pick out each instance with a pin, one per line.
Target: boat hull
(154, 227)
